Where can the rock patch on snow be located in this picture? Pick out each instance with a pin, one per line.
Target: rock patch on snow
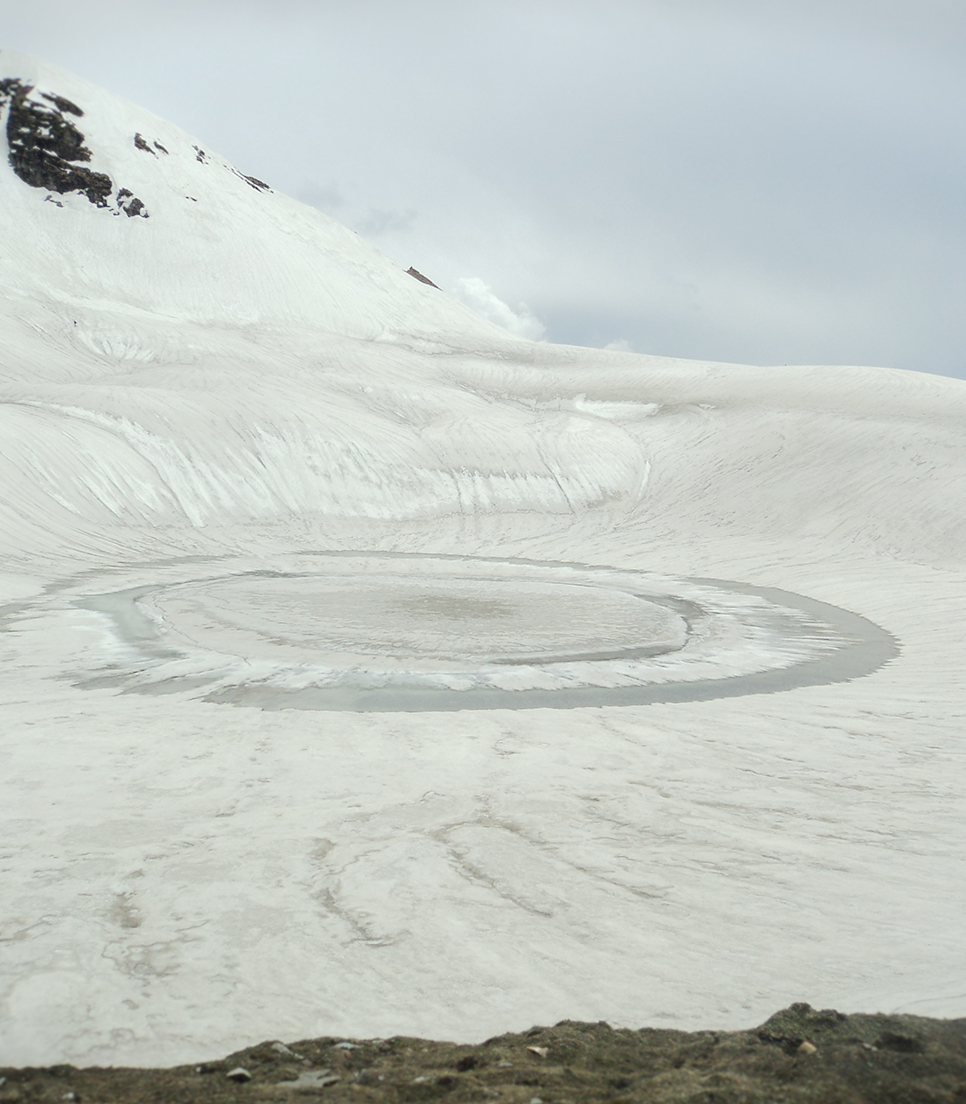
(45, 147)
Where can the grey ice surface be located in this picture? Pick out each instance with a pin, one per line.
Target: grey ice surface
(853, 645)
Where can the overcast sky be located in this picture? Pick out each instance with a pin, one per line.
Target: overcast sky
(772, 182)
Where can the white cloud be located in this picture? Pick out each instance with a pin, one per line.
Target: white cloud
(522, 321)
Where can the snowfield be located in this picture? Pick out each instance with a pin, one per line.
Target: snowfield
(272, 512)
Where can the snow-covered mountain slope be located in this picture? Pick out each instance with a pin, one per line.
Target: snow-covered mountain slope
(210, 395)
(171, 228)
(227, 352)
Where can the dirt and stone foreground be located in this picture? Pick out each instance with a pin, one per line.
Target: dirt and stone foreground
(798, 1055)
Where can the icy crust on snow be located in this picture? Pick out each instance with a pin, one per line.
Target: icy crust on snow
(198, 409)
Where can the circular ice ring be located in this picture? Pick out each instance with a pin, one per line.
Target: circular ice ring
(733, 638)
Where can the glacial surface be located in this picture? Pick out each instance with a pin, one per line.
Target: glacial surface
(367, 670)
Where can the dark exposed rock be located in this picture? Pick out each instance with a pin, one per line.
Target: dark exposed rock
(157, 145)
(200, 154)
(29, 119)
(251, 181)
(912, 1060)
(142, 145)
(417, 275)
(130, 204)
(47, 150)
(62, 103)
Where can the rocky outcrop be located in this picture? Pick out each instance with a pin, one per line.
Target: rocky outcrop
(47, 150)
(798, 1056)
(417, 275)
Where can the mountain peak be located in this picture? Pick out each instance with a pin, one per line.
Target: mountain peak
(201, 239)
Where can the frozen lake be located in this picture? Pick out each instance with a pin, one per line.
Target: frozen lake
(409, 632)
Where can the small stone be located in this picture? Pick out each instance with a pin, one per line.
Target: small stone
(311, 1079)
(808, 1048)
(239, 1074)
(420, 1080)
(541, 1052)
(536, 1100)
(347, 1046)
(283, 1049)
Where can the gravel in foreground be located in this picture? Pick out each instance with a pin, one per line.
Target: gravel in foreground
(799, 1055)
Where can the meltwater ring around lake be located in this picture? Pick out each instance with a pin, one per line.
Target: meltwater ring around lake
(411, 632)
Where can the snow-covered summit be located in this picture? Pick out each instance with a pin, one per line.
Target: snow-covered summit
(105, 201)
